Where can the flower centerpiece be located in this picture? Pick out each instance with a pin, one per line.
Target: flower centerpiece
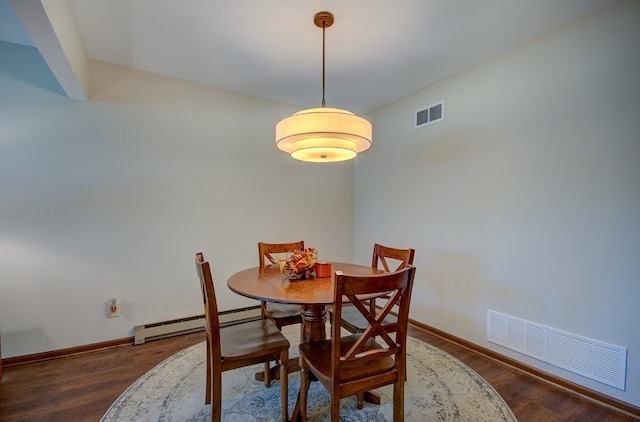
(300, 265)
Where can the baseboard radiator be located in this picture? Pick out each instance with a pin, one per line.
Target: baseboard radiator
(175, 327)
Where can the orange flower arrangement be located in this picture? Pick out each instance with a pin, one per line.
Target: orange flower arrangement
(300, 265)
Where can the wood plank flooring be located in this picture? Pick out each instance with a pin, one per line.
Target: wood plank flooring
(531, 399)
(82, 387)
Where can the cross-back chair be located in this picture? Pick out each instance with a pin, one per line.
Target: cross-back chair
(387, 258)
(356, 363)
(237, 346)
(280, 313)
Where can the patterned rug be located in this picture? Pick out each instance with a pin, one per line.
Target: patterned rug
(439, 388)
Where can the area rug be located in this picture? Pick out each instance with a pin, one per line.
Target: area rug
(439, 388)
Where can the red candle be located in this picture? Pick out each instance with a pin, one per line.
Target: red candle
(323, 269)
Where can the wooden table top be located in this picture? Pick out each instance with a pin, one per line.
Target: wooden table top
(269, 284)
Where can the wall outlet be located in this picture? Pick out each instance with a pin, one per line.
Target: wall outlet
(113, 308)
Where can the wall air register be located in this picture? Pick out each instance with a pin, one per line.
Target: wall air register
(590, 358)
(433, 113)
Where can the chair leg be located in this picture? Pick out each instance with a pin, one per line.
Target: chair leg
(360, 400)
(335, 408)
(284, 384)
(207, 394)
(216, 402)
(304, 390)
(267, 364)
(267, 374)
(398, 401)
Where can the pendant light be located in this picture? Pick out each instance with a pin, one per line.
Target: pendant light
(323, 135)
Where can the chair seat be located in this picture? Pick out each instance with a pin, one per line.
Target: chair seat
(318, 355)
(284, 311)
(354, 322)
(254, 338)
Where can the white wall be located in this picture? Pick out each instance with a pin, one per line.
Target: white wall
(526, 199)
(113, 198)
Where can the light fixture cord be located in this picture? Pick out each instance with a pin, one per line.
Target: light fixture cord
(324, 25)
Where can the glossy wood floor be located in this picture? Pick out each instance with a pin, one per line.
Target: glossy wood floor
(82, 387)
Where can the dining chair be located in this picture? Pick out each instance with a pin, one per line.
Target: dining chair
(390, 259)
(355, 363)
(280, 313)
(237, 346)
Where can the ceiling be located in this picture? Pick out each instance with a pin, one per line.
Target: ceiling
(377, 51)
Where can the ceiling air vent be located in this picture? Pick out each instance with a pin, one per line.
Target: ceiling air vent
(430, 114)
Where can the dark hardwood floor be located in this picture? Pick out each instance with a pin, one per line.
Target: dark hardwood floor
(83, 386)
(531, 398)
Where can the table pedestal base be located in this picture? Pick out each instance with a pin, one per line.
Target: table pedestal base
(293, 366)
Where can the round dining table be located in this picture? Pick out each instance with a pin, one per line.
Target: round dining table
(314, 294)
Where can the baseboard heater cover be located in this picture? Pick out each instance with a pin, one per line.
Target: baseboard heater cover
(192, 324)
(605, 363)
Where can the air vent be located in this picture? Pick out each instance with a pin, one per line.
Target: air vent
(593, 359)
(430, 114)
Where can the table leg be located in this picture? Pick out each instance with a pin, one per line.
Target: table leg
(371, 397)
(314, 320)
(292, 366)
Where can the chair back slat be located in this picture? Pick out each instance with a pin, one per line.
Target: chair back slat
(273, 252)
(212, 326)
(385, 256)
(398, 286)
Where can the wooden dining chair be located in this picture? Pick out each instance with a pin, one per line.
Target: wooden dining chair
(356, 363)
(237, 346)
(280, 313)
(388, 259)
